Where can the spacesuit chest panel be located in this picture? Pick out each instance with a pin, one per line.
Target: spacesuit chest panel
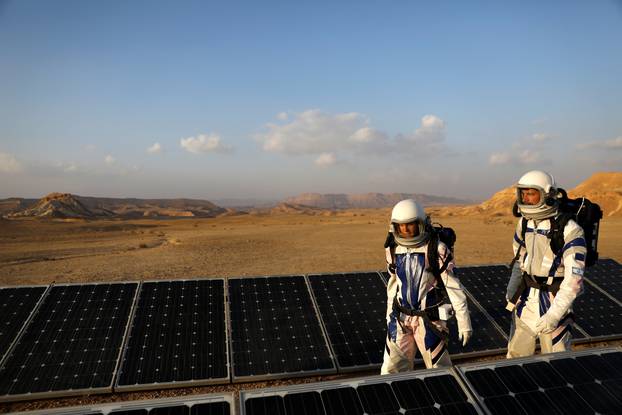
(410, 270)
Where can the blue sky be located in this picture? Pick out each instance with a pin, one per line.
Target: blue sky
(247, 99)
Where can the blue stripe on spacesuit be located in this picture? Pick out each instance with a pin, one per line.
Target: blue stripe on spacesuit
(431, 340)
(558, 258)
(392, 327)
(560, 335)
(579, 257)
(518, 240)
(523, 301)
(545, 302)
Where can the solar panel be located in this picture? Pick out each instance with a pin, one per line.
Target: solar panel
(275, 329)
(72, 344)
(579, 382)
(178, 336)
(416, 392)
(16, 306)
(353, 310)
(597, 314)
(211, 404)
(606, 274)
(487, 336)
(487, 284)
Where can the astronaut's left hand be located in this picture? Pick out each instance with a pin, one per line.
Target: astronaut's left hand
(464, 336)
(546, 324)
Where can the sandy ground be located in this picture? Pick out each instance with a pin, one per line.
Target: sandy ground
(36, 252)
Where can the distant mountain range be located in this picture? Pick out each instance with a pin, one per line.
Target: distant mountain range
(603, 188)
(368, 200)
(65, 205)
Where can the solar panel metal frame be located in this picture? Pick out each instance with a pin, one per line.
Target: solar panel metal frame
(85, 391)
(462, 369)
(282, 375)
(356, 382)
(168, 385)
(27, 321)
(340, 369)
(149, 404)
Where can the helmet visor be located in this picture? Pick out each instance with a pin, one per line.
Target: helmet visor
(530, 196)
(409, 229)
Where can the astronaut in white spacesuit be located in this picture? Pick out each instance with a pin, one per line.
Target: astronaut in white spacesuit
(543, 284)
(416, 289)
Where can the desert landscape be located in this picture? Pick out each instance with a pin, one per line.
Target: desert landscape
(287, 239)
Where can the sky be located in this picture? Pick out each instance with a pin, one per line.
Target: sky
(269, 99)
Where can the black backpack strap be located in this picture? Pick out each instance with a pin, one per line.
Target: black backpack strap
(391, 244)
(556, 234)
(433, 258)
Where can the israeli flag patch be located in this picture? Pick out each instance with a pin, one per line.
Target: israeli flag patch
(577, 271)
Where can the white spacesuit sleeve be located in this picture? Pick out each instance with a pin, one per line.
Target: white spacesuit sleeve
(455, 290)
(574, 252)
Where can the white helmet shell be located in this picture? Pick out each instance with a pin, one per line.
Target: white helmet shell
(407, 211)
(544, 183)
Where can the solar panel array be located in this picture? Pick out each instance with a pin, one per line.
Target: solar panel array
(67, 339)
(606, 274)
(432, 391)
(353, 311)
(583, 382)
(210, 404)
(72, 344)
(178, 336)
(275, 329)
(16, 306)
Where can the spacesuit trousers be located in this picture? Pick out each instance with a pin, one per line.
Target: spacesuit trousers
(412, 333)
(523, 339)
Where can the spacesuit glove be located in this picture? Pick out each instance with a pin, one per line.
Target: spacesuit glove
(546, 324)
(464, 336)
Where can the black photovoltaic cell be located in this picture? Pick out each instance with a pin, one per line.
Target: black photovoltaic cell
(353, 308)
(275, 330)
(212, 404)
(434, 391)
(72, 343)
(607, 274)
(178, 335)
(487, 338)
(487, 284)
(16, 305)
(597, 314)
(569, 383)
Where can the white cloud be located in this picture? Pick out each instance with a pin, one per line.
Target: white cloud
(429, 137)
(499, 158)
(312, 132)
(516, 158)
(204, 143)
(540, 137)
(368, 135)
(615, 143)
(109, 159)
(9, 164)
(326, 159)
(68, 167)
(282, 116)
(155, 148)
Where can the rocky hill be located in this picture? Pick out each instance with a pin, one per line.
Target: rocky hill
(366, 200)
(60, 205)
(603, 188)
(66, 206)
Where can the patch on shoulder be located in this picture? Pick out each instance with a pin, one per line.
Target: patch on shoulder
(577, 271)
